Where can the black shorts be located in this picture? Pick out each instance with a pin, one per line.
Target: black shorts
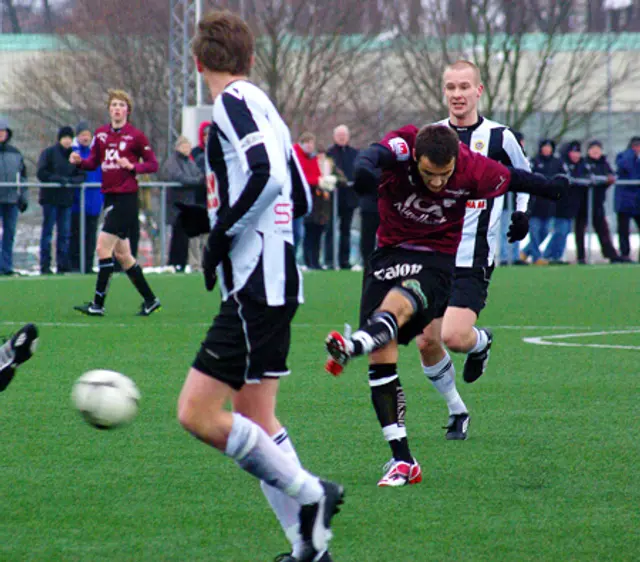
(389, 267)
(248, 341)
(470, 288)
(120, 214)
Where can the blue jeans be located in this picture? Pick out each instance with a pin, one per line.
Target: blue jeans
(538, 232)
(9, 216)
(298, 233)
(505, 247)
(60, 217)
(555, 249)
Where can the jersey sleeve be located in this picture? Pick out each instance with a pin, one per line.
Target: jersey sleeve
(260, 154)
(516, 156)
(92, 161)
(400, 142)
(149, 162)
(488, 178)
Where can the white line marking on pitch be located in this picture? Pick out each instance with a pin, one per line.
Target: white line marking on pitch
(542, 340)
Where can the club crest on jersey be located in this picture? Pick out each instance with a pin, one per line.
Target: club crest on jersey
(400, 148)
(122, 145)
(478, 145)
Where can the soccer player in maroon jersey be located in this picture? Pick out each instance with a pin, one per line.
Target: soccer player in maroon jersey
(424, 179)
(122, 151)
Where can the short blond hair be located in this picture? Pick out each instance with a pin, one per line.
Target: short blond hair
(462, 64)
(180, 141)
(121, 95)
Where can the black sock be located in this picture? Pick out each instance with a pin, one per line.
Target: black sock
(137, 278)
(105, 270)
(379, 330)
(389, 403)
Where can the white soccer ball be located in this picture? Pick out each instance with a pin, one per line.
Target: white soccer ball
(106, 399)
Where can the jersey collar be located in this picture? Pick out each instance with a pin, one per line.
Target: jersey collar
(470, 127)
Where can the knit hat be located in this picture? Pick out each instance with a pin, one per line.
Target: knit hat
(574, 146)
(83, 126)
(65, 131)
(594, 142)
(545, 142)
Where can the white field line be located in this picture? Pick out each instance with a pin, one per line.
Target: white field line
(544, 340)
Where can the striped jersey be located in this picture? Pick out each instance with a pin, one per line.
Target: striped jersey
(254, 187)
(481, 227)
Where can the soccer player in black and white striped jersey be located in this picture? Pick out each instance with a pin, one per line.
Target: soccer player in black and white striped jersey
(254, 191)
(475, 258)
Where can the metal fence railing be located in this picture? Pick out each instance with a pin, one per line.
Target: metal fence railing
(154, 228)
(154, 231)
(588, 183)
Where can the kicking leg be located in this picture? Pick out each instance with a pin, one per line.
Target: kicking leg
(397, 308)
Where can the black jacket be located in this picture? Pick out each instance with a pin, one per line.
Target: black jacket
(54, 167)
(548, 166)
(344, 158)
(567, 208)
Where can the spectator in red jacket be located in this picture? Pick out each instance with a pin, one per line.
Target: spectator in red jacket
(123, 152)
(307, 155)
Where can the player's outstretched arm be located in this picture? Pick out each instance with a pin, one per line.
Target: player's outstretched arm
(554, 188)
(368, 167)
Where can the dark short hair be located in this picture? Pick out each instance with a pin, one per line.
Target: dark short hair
(439, 143)
(224, 43)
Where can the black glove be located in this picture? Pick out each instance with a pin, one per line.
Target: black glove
(23, 205)
(193, 219)
(518, 228)
(216, 248)
(559, 187)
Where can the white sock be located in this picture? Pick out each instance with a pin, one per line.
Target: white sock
(286, 508)
(481, 341)
(443, 377)
(255, 452)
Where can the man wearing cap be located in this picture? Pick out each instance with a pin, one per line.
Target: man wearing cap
(54, 167)
(92, 204)
(12, 198)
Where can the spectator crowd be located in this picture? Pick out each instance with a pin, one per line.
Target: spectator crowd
(329, 172)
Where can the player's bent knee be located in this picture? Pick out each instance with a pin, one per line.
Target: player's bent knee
(455, 341)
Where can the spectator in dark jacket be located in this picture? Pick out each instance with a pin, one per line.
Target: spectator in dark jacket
(54, 167)
(180, 168)
(597, 165)
(627, 197)
(12, 199)
(198, 156)
(92, 205)
(565, 209)
(344, 157)
(541, 210)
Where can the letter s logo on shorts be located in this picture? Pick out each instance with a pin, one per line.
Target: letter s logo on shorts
(400, 148)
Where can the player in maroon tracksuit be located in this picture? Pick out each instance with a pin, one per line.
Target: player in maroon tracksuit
(424, 179)
(122, 151)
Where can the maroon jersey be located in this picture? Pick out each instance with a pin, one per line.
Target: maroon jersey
(108, 146)
(411, 215)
